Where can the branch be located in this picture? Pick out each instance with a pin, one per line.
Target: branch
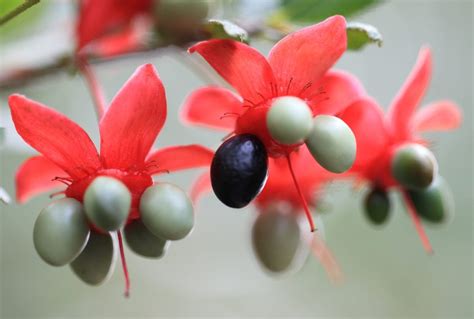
(18, 10)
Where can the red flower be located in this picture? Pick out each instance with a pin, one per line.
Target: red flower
(378, 135)
(297, 66)
(127, 132)
(112, 26)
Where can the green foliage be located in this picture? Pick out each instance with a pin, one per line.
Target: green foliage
(21, 23)
(361, 34)
(309, 11)
(224, 29)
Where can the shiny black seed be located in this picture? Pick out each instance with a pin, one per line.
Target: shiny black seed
(377, 206)
(239, 170)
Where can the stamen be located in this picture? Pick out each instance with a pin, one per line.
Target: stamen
(303, 200)
(251, 103)
(229, 114)
(65, 180)
(417, 223)
(124, 265)
(307, 86)
(327, 259)
(288, 87)
(56, 194)
(263, 98)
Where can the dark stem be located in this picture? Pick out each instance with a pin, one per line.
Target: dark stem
(300, 193)
(18, 10)
(124, 265)
(417, 223)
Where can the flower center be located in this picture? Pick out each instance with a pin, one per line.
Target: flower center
(136, 182)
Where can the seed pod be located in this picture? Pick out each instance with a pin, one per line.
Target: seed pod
(289, 120)
(61, 232)
(167, 211)
(143, 242)
(239, 170)
(434, 203)
(276, 239)
(414, 166)
(377, 206)
(332, 143)
(107, 203)
(96, 263)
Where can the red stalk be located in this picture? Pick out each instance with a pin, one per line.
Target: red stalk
(327, 259)
(417, 223)
(303, 200)
(94, 87)
(124, 265)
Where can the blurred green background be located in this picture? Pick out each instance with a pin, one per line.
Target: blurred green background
(213, 272)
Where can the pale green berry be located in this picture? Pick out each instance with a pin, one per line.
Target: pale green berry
(289, 120)
(96, 263)
(414, 166)
(332, 143)
(107, 203)
(167, 211)
(276, 238)
(434, 203)
(61, 232)
(143, 242)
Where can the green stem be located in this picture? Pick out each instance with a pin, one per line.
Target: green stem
(18, 10)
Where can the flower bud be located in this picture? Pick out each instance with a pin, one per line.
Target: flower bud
(107, 203)
(143, 242)
(167, 211)
(414, 166)
(289, 120)
(61, 232)
(332, 143)
(377, 206)
(96, 263)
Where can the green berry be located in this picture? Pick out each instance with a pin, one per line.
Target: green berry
(96, 263)
(377, 206)
(434, 203)
(289, 120)
(180, 19)
(107, 203)
(143, 242)
(414, 166)
(167, 211)
(61, 232)
(276, 239)
(332, 143)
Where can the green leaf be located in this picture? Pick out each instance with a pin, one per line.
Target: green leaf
(361, 34)
(223, 29)
(309, 11)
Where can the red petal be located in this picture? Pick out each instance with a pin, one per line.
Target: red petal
(176, 158)
(366, 119)
(336, 91)
(55, 136)
(411, 93)
(212, 107)
(241, 65)
(35, 176)
(438, 116)
(133, 120)
(201, 186)
(99, 18)
(304, 56)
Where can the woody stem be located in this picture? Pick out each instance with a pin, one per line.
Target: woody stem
(124, 264)
(300, 193)
(94, 87)
(18, 10)
(417, 223)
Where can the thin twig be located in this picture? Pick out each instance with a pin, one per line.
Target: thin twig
(18, 10)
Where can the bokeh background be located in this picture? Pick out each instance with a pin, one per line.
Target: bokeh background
(213, 272)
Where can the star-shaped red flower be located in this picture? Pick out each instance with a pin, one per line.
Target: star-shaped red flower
(128, 130)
